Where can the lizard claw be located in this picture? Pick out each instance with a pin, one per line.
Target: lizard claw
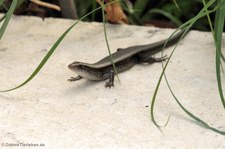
(109, 84)
(71, 79)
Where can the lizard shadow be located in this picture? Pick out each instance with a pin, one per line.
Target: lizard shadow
(84, 85)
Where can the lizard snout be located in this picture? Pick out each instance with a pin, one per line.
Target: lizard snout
(73, 65)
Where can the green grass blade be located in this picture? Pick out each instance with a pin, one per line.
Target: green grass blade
(140, 5)
(133, 17)
(222, 57)
(210, 22)
(2, 18)
(160, 78)
(199, 15)
(18, 4)
(200, 121)
(204, 124)
(1, 2)
(7, 18)
(165, 14)
(175, 2)
(107, 43)
(219, 25)
(47, 56)
(94, 5)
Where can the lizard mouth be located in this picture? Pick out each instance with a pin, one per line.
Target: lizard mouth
(73, 65)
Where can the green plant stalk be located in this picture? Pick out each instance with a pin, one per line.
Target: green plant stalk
(175, 2)
(164, 67)
(17, 5)
(213, 33)
(195, 117)
(1, 2)
(47, 56)
(200, 121)
(210, 22)
(107, 43)
(94, 5)
(219, 25)
(140, 5)
(133, 16)
(165, 14)
(163, 73)
(7, 18)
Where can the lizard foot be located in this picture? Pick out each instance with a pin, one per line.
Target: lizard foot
(109, 84)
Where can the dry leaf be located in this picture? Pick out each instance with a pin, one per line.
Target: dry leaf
(114, 13)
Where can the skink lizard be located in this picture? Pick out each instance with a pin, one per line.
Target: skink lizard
(123, 58)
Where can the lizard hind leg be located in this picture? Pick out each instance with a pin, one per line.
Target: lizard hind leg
(151, 59)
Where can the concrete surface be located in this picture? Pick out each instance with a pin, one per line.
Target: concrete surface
(84, 114)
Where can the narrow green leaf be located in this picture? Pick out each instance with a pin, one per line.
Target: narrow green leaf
(161, 76)
(1, 19)
(47, 56)
(165, 14)
(190, 23)
(1, 2)
(94, 5)
(204, 124)
(7, 18)
(107, 43)
(175, 2)
(140, 5)
(219, 25)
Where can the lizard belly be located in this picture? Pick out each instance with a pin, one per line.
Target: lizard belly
(91, 74)
(120, 66)
(96, 74)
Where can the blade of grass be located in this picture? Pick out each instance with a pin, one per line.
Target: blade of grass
(164, 67)
(165, 14)
(210, 22)
(222, 57)
(47, 56)
(140, 5)
(202, 13)
(160, 79)
(7, 18)
(219, 25)
(200, 121)
(17, 5)
(1, 2)
(204, 124)
(20, 2)
(175, 2)
(132, 13)
(94, 5)
(107, 43)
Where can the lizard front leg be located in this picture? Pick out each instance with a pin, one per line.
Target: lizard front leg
(110, 76)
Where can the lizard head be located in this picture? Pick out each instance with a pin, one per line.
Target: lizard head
(85, 71)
